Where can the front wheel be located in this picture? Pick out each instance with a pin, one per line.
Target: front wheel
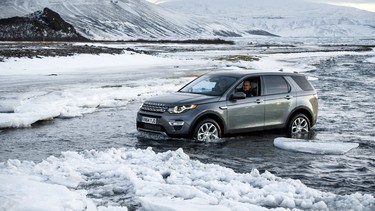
(299, 124)
(207, 130)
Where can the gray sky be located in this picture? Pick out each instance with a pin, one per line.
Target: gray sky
(361, 4)
(348, 1)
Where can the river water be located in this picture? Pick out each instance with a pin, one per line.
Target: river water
(345, 85)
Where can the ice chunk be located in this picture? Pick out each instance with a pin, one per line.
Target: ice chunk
(313, 146)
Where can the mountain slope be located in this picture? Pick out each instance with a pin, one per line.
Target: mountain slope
(44, 25)
(118, 19)
(192, 19)
(285, 18)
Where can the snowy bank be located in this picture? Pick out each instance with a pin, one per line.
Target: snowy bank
(155, 181)
(23, 108)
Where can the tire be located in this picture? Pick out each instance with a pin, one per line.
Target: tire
(299, 124)
(207, 130)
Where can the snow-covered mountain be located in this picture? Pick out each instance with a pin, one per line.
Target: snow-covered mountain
(119, 19)
(44, 25)
(192, 19)
(282, 17)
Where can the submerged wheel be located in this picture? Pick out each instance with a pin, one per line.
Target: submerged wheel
(207, 130)
(299, 124)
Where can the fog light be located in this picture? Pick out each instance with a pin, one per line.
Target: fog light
(176, 123)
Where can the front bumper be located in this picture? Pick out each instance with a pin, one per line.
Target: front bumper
(176, 125)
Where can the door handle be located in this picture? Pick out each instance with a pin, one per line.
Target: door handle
(223, 107)
(288, 97)
(259, 101)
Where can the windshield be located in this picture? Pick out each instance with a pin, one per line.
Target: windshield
(214, 85)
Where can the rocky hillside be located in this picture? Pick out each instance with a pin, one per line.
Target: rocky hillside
(189, 19)
(122, 19)
(44, 25)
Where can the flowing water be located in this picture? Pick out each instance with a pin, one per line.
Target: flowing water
(346, 88)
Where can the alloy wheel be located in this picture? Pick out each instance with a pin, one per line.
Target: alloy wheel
(207, 131)
(300, 125)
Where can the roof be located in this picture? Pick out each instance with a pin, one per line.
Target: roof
(241, 73)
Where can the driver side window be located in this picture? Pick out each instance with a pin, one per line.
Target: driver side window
(250, 86)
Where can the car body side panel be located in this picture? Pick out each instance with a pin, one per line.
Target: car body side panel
(212, 109)
(246, 113)
(306, 101)
(315, 104)
(277, 108)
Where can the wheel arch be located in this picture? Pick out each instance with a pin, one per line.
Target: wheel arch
(209, 115)
(300, 110)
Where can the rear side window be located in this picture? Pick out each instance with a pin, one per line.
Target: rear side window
(276, 85)
(302, 83)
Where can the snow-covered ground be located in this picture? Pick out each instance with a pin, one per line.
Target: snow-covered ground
(152, 181)
(156, 181)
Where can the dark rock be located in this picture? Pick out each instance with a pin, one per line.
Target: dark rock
(45, 25)
(262, 33)
(223, 33)
(50, 49)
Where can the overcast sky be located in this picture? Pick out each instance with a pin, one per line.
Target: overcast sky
(361, 4)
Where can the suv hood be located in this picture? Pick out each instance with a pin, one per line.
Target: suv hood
(180, 98)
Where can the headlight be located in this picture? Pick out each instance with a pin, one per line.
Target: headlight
(180, 109)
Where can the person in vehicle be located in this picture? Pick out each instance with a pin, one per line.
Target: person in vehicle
(221, 85)
(247, 89)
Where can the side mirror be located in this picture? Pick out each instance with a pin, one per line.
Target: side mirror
(238, 96)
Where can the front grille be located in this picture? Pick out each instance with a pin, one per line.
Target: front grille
(158, 128)
(154, 107)
(153, 127)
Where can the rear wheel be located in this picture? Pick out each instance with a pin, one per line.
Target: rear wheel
(207, 130)
(299, 124)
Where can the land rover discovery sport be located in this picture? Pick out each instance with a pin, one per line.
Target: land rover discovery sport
(214, 105)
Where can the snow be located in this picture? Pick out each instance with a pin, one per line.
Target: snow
(158, 181)
(80, 63)
(196, 19)
(287, 18)
(25, 192)
(117, 19)
(26, 108)
(29, 107)
(313, 146)
(371, 60)
(153, 181)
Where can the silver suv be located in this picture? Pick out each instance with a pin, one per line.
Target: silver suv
(215, 104)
